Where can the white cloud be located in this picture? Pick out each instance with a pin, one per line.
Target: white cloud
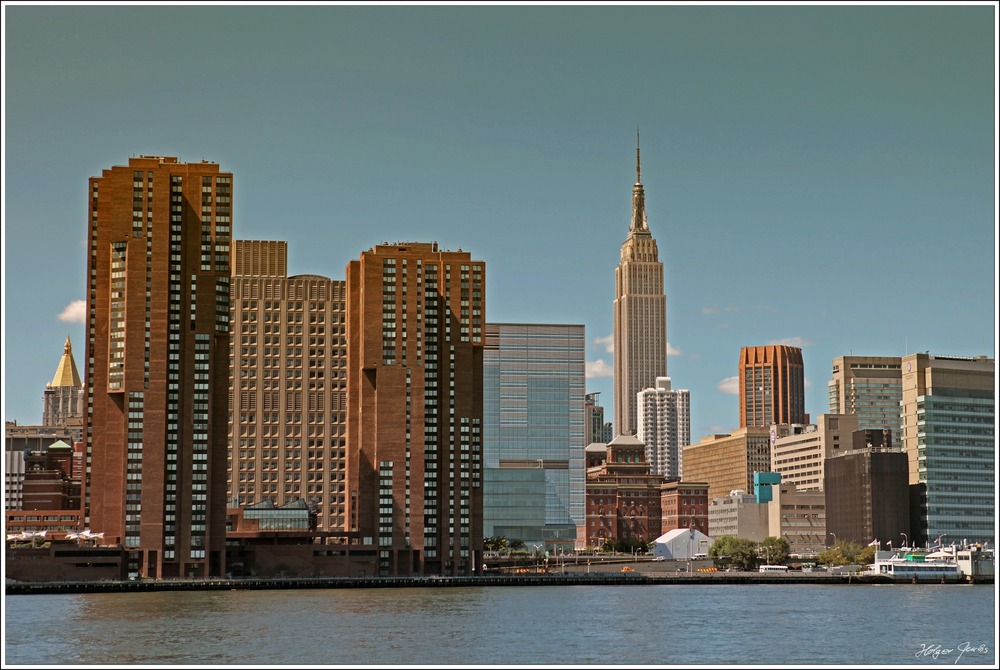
(674, 351)
(730, 385)
(597, 369)
(607, 342)
(709, 310)
(75, 312)
(792, 342)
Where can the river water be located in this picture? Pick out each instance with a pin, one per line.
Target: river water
(905, 625)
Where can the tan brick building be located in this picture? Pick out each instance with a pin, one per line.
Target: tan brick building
(288, 385)
(726, 462)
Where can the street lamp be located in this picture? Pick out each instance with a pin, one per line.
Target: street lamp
(834, 538)
(906, 540)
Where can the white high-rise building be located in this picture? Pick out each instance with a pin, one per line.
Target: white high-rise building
(640, 314)
(664, 424)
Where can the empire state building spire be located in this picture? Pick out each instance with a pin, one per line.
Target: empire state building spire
(640, 313)
(638, 198)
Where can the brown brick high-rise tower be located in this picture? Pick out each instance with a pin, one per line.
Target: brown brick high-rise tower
(158, 363)
(415, 407)
(772, 386)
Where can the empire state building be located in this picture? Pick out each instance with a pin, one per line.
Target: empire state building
(640, 307)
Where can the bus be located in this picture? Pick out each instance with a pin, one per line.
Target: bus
(774, 568)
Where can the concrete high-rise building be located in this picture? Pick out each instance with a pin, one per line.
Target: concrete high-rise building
(640, 313)
(799, 517)
(772, 386)
(158, 363)
(533, 433)
(799, 455)
(949, 435)
(63, 399)
(727, 462)
(867, 492)
(288, 385)
(664, 425)
(870, 387)
(738, 514)
(593, 416)
(415, 335)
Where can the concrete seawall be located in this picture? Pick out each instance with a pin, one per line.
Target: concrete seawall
(569, 579)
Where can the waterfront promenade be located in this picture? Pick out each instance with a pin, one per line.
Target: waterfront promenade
(567, 579)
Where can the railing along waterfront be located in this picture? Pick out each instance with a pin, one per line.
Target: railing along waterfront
(569, 579)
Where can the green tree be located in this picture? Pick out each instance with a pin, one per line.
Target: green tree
(517, 544)
(845, 552)
(498, 544)
(867, 556)
(741, 553)
(775, 550)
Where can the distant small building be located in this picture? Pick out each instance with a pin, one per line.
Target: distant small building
(738, 514)
(800, 518)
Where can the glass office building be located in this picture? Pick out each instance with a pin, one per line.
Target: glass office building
(533, 433)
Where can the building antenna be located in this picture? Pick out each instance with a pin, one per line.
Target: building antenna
(638, 164)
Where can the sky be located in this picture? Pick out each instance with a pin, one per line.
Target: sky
(819, 176)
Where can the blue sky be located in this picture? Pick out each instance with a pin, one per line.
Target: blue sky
(822, 176)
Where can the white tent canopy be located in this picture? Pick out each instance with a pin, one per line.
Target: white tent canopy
(681, 544)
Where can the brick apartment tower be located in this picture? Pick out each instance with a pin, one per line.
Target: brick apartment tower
(289, 385)
(772, 386)
(158, 363)
(640, 313)
(415, 407)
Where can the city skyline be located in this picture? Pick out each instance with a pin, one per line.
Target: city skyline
(821, 177)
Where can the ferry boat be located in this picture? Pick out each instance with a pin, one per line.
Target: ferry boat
(944, 564)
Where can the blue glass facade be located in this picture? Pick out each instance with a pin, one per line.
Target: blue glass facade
(956, 462)
(533, 432)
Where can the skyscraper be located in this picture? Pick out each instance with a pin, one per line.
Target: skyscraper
(533, 433)
(949, 435)
(593, 417)
(772, 386)
(158, 363)
(664, 424)
(640, 313)
(63, 398)
(288, 385)
(871, 388)
(415, 407)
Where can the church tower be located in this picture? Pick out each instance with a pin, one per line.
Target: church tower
(640, 313)
(63, 398)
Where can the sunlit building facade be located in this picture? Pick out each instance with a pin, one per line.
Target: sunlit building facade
(288, 386)
(771, 386)
(869, 387)
(949, 435)
(664, 426)
(640, 314)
